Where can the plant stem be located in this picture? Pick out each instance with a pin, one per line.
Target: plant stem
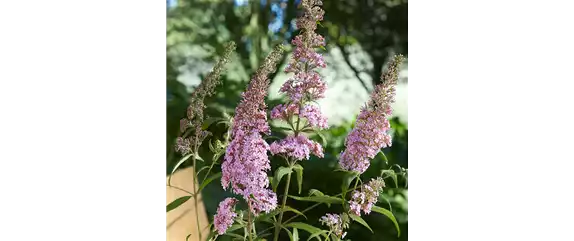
(195, 184)
(297, 130)
(356, 182)
(249, 223)
(207, 174)
(278, 224)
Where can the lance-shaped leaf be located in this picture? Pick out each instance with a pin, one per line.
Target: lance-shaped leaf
(390, 215)
(299, 170)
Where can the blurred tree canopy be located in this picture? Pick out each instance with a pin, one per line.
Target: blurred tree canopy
(378, 28)
(365, 32)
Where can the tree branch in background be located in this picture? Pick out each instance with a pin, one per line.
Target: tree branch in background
(348, 61)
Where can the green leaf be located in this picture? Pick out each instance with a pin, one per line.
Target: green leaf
(391, 173)
(197, 157)
(384, 197)
(299, 169)
(279, 173)
(211, 147)
(176, 166)
(177, 202)
(315, 192)
(267, 216)
(316, 235)
(295, 235)
(309, 228)
(213, 120)
(288, 232)
(234, 235)
(234, 227)
(361, 221)
(201, 169)
(319, 199)
(323, 139)
(348, 178)
(390, 215)
(208, 180)
(287, 208)
(270, 179)
(262, 237)
(187, 238)
(384, 157)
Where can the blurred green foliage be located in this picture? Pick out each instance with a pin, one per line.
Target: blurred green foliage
(196, 33)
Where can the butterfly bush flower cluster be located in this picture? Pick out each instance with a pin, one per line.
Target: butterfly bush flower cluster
(246, 161)
(195, 118)
(365, 199)
(335, 224)
(225, 214)
(370, 133)
(303, 88)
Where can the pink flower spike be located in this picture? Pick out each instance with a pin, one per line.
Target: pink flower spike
(298, 147)
(223, 219)
(370, 133)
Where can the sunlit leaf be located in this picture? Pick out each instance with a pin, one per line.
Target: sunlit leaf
(270, 179)
(315, 192)
(384, 197)
(299, 170)
(287, 208)
(348, 178)
(197, 157)
(361, 221)
(323, 139)
(288, 232)
(319, 199)
(295, 235)
(183, 159)
(390, 215)
(279, 173)
(316, 235)
(309, 228)
(384, 157)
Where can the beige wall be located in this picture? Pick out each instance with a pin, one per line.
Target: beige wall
(182, 220)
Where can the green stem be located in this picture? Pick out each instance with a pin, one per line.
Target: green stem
(356, 182)
(208, 171)
(297, 129)
(278, 224)
(249, 223)
(195, 184)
